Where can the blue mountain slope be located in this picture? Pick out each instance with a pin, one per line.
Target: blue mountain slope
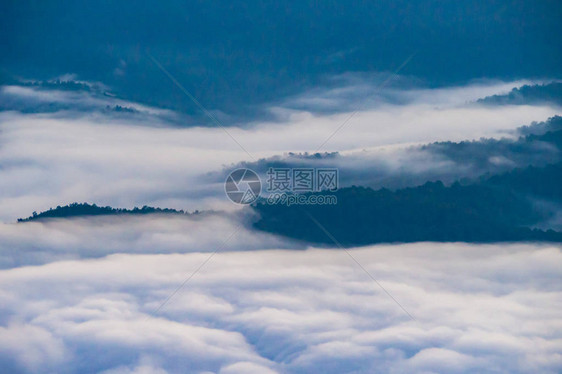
(236, 54)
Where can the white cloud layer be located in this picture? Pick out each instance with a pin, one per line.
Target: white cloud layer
(51, 159)
(477, 308)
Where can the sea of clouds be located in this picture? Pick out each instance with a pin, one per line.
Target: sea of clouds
(208, 294)
(467, 308)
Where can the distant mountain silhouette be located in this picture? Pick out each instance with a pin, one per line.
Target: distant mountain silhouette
(245, 54)
(59, 85)
(528, 94)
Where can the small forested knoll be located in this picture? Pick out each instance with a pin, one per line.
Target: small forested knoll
(85, 209)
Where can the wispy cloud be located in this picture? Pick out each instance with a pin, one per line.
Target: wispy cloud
(70, 103)
(35, 243)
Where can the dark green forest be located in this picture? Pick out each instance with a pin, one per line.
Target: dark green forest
(497, 209)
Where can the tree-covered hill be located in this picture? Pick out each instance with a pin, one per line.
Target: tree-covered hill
(85, 209)
(499, 208)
